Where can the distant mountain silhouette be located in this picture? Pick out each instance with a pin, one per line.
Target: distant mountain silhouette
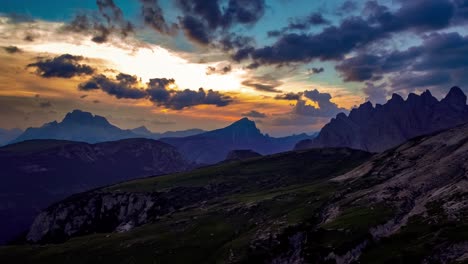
(213, 146)
(78, 126)
(145, 132)
(7, 135)
(379, 128)
(86, 127)
(37, 173)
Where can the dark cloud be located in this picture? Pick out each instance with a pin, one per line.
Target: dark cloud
(354, 33)
(304, 113)
(305, 23)
(45, 104)
(219, 69)
(315, 71)
(264, 83)
(119, 88)
(107, 21)
(203, 21)
(325, 108)
(289, 96)
(83, 96)
(63, 66)
(12, 49)
(438, 61)
(254, 114)
(158, 90)
(348, 7)
(153, 16)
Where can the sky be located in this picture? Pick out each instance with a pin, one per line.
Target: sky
(289, 65)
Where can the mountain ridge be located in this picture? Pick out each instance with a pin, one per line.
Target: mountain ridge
(382, 127)
(213, 146)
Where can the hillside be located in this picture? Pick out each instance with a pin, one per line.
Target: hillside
(38, 172)
(376, 129)
(406, 205)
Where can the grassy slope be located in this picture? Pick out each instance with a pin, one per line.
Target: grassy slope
(260, 196)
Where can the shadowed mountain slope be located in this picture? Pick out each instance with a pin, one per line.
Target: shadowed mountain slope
(38, 172)
(386, 126)
(405, 205)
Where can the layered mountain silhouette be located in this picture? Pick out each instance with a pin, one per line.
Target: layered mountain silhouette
(7, 135)
(213, 146)
(38, 172)
(78, 126)
(86, 127)
(406, 205)
(379, 128)
(145, 132)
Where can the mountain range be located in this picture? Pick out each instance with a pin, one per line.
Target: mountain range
(86, 127)
(408, 204)
(195, 145)
(7, 135)
(214, 146)
(146, 133)
(382, 127)
(37, 173)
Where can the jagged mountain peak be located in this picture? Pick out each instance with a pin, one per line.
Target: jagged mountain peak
(243, 124)
(455, 97)
(84, 118)
(383, 127)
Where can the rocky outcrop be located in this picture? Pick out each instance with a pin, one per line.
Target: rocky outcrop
(100, 212)
(382, 127)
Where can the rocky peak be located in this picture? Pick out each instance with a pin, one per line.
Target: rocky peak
(396, 98)
(455, 98)
(244, 124)
(84, 118)
(142, 130)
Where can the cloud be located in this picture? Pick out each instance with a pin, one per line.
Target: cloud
(303, 113)
(63, 66)
(120, 88)
(153, 17)
(313, 71)
(158, 90)
(203, 21)
(289, 96)
(438, 61)
(12, 49)
(264, 83)
(107, 21)
(354, 33)
(220, 69)
(254, 114)
(45, 104)
(375, 93)
(326, 108)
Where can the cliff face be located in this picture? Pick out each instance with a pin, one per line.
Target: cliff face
(108, 212)
(386, 126)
